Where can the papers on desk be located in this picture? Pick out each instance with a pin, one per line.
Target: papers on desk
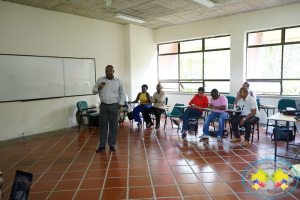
(292, 171)
(290, 108)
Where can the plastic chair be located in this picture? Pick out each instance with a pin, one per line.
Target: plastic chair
(258, 103)
(231, 100)
(282, 105)
(124, 113)
(176, 113)
(85, 111)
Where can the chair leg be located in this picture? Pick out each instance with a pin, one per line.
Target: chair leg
(257, 130)
(267, 126)
(79, 123)
(89, 119)
(252, 132)
(230, 128)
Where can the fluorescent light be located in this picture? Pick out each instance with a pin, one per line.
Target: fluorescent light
(130, 18)
(206, 3)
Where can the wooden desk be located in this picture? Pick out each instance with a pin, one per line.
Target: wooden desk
(267, 107)
(132, 105)
(162, 107)
(286, 118)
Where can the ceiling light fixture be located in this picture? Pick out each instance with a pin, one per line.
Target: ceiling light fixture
(206, 3)
(130, 18)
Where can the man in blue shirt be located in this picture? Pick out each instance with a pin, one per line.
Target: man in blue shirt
(112, 97)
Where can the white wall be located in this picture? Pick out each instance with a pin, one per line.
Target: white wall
(31, 31)
(142, 57)
(236, 26)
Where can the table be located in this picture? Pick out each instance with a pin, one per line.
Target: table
(266, 108)
(286, 118)
(130, 103)
(230, 115)
(162, 107)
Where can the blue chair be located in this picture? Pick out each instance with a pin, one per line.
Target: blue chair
(258, 103)
(176, 113)
(231, 100)
(85, 111)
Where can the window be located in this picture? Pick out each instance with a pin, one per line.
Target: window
(273, 61)
(184, 66)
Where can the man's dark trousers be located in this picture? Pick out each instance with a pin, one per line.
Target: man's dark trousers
(247, 124)
(109, 115)
(157, 113)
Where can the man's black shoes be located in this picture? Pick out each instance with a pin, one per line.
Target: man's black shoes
(112, 148)
(99, 149)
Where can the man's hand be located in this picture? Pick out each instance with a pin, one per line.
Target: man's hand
(155, 100)
(237, 98)
(101, 86)
(242, 122)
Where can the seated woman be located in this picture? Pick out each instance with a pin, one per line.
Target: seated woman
(144, 98)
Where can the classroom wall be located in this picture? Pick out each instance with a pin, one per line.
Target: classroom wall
(31, 31)
(142, 54)
(236, 26)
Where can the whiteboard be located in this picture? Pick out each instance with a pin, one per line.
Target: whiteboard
(79, 76)
(33, 77)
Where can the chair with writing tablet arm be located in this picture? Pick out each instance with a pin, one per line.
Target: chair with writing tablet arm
(85, 111)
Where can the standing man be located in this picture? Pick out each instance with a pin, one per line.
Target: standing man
(158, 100)
(200, 100)
(249, 116)
(246, 85)
(112, 97)
(218, 103)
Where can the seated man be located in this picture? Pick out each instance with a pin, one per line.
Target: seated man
(218, 104)
(200, 100)
(249, 116)
(246, 85)
(122, 109)
(158, 99)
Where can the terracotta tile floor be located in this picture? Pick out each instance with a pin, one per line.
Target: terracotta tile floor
(148, 164)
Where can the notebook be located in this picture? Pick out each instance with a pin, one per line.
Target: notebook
(21, 186)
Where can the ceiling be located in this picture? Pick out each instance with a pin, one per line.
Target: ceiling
(157, 13)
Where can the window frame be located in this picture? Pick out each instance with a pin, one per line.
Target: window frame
(282, 44)
(203, 51)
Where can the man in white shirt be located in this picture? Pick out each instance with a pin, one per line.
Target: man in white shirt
(249, 116)
(158, 100)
